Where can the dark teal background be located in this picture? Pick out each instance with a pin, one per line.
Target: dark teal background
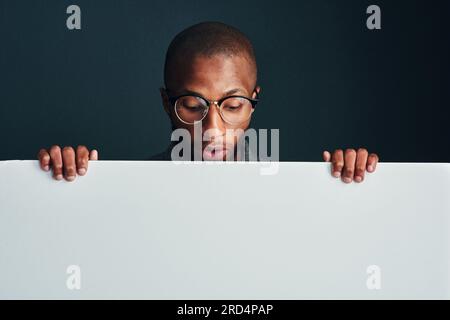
(327, 80)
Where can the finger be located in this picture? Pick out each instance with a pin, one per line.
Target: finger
(337, 160)
(82, 159)
(68, 155)
(56, 162)
(349, 165)
(361, 161)
(372, 162)
(326, 156)
(93, 155)
(44, 159)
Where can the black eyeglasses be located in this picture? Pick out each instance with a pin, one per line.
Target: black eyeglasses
(192, 108)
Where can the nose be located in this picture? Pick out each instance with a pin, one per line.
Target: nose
(213, 120)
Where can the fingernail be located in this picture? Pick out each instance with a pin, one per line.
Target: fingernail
(358, 179)
(46, 168)
(70, 178)
(347, 180)
(59, 177)
(337, 174)
(370, 168)
(82, 171)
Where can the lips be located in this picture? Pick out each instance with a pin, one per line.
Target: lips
(214, 152)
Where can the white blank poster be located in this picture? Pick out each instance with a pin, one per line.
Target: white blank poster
(159, 230)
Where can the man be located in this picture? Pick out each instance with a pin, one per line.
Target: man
(210, 77)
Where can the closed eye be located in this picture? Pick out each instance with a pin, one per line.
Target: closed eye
(232, 108)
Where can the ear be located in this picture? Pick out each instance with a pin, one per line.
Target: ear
(165, 100)
(256, 92)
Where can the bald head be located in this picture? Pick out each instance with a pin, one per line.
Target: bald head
(206, 39)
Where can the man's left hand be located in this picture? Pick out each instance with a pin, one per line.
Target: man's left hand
(351, 164)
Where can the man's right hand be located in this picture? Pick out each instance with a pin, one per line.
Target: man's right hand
(66, 162)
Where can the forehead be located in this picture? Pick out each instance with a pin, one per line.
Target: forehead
(214, 76)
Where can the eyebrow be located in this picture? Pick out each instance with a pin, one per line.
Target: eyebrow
(227, 93)
(233, 91)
